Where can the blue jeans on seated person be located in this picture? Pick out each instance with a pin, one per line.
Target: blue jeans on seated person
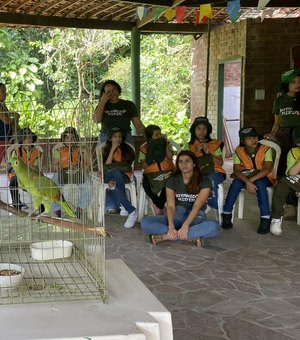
(262, 195)
(216, 178)
(118, 194)
(200, 227)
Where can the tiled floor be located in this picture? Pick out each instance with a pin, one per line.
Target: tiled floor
(240, 286)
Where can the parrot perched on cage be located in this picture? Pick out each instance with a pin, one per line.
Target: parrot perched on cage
(43, 189)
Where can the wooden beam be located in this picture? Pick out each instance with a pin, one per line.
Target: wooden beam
(176, 28)
(47, 21)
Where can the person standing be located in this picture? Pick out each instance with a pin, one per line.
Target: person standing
(113, 111)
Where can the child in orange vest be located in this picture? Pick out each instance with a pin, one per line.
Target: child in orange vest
(252, 169)
(71, 163)
(30, 155)
(201, 144)
(157, 162)
(118, 157)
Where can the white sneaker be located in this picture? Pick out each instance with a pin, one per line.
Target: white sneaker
(275, 227)
(123, 212)
(131, 219)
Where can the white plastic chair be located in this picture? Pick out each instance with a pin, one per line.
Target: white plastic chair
(130, 187)
(143, 198)
(241, 198)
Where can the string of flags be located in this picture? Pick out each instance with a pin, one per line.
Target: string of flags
(202, 14)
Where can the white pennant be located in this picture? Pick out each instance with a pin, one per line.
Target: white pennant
(267, 12)
(262, 4)
(140, 12)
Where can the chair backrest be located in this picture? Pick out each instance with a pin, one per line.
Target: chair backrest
(277, 150)
(14, 147)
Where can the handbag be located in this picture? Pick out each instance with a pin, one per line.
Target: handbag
(206, 164)
(158, 180)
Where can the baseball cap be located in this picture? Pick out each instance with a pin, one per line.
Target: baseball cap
(289, 75)
(247, 132)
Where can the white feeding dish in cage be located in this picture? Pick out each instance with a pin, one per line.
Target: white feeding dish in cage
(51, 250)
(10, 275)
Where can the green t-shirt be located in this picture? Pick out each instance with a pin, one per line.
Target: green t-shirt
(283, 106)
(293, 157)
(118, 114)
(182, 197)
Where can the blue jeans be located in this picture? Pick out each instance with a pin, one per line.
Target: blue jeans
(216, 178)
(200, 227)
(262, 195)
(118, 194)
(84, 188)
(110, 202)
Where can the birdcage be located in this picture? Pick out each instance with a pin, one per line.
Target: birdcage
(47, 254)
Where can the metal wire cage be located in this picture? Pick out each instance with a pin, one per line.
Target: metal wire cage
(52, 258)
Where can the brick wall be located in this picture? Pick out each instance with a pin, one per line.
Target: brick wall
(265, 51)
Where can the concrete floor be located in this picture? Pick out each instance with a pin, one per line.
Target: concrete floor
(240, 286)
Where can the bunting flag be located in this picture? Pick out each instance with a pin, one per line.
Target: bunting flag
(140, 12)
(267, 12)
(180, 13)
(157, 13)
(233, 9)
(205, 10)
(197, 18)
(170, 14)
(262, 4)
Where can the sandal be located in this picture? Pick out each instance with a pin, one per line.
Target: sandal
(155, 239)
(199, 242)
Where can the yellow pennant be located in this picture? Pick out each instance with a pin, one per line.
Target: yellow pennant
(170, 14)
(205, 11)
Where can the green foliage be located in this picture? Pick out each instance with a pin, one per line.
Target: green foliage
(53, 75)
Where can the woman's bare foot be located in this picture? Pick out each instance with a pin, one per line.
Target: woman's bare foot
(155, 239)
(199, 242)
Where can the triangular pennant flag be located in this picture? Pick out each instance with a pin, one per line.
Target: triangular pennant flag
(170, 14)
(180, 13)
(157, 12)
(197, 18)
(205, 10)
(140, 12)
(233, 9)
(262, 4)
(267, 12)
(204, 20)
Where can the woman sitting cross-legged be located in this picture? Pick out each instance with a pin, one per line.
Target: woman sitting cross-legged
(118, 157)
(187, 193)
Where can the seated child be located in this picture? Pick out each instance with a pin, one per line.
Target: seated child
(118, 157)
(282, 188)
(157, 163)
(204, 147)
(30, 155)
(252, 170)
(72, 165)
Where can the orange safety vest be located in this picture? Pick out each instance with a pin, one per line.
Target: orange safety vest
(256, 162)
(213, 145)
(69, 157)
(117, 157)
(165, 165)
(22, 154)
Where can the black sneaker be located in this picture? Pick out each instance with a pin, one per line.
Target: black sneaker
(264, 227)
(226, 221)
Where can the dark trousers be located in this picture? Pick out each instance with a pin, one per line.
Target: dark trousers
(160, 200)
(281, 191)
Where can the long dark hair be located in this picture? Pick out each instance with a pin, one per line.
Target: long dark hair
(193, 186)
(149, 130)
(128, 154)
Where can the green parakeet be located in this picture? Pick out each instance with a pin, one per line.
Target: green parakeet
(42, 188)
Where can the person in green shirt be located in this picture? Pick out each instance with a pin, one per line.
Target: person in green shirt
(286, 111)
(283, 187)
